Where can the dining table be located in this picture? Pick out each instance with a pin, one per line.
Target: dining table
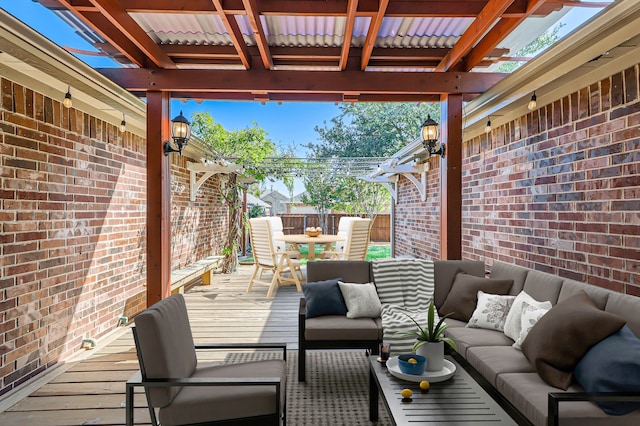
(326, 239)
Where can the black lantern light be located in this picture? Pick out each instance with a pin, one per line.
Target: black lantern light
(429, 133)
(180, 133)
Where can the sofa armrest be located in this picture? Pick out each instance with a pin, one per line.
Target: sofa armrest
(302, 310)
(556, 397)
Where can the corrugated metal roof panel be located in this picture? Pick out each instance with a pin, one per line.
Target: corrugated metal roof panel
(417, 32)
(166, 28)
(324, 31)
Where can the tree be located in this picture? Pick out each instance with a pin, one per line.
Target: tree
(368, 130)
(371, 129)
(545, 40)
(246, 147)
(323, 190)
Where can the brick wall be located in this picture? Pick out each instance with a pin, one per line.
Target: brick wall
(73, 229)
(198, 228)
(557, 190)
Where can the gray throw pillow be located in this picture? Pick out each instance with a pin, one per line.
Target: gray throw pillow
(361, 299)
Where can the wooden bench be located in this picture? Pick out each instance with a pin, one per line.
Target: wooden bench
(202, 268)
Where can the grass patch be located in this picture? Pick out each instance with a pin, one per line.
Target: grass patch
(377, 251)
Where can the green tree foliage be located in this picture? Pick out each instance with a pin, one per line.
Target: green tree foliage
(371, 129)
(247, 147)
(323, 190)
(364, 130)
(530, 50)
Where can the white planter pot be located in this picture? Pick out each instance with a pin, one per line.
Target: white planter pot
(434, 352)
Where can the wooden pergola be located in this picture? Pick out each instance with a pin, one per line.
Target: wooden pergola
(294, 50)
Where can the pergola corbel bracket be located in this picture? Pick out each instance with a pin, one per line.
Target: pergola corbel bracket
(389, 182)
(410, 170)
(209, 168)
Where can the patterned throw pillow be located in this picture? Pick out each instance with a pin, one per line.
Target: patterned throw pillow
(529, 317)
(491, 311)
(512, 325)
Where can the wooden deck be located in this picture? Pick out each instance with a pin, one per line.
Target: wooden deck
(90, 390)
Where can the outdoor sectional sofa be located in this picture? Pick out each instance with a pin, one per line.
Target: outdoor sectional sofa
(504, 370)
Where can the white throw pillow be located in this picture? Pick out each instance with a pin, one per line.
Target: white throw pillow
(512, 325)
(530, 316)
(491, 311)
(361, 299)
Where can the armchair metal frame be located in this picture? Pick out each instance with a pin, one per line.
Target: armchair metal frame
(140, 379)
(555, 398)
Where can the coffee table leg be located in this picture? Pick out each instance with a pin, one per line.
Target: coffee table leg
(373, 397)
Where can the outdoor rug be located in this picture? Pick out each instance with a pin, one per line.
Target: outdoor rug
(336, 391)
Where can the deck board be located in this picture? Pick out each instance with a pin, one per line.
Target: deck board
(92, 390)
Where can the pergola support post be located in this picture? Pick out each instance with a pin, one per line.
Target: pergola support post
(451, 178)
(158, 198)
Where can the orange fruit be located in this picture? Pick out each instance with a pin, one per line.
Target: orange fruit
(406, 393)
(425, 385)
(412, 361)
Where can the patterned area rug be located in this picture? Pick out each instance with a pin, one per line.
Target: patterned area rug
(336, 391)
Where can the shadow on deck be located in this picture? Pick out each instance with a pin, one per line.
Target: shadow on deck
(90, 389)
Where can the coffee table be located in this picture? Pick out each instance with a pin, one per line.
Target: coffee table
(459, 401)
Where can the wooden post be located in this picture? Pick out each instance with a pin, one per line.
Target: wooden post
(451, 178)
(158, 198)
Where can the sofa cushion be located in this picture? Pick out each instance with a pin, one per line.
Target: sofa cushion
(562, 336)
(491, 311)
(353, 271)
(471, 337)
(361, 300)
(627, 307)
(542, 286)
(503, 270)
(512, 325)
(612, 365)
(463, 296)
(529, 394)
(599, 295)
(491, 361)
(324, 298)
(445, 272)
(339, 327)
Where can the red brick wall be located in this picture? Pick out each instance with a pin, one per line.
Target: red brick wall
(557, 190)
(73, 229)
(198, 228)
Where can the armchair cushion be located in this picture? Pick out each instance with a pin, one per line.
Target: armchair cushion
(324, 298)
(202, 404)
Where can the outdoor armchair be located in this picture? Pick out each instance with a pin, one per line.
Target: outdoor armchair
(187, 392)
(355, 247)
(286, 270)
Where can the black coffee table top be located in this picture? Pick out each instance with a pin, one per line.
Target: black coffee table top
(459, 401)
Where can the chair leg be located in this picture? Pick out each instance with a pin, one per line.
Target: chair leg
(253, 277)
(274, 281)
(302, 363)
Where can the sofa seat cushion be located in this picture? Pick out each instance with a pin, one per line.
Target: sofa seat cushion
(339, 327)
(197, 404)
(470, 337)
(529, 394)
(491, 361)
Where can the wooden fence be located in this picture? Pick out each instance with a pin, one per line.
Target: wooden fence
(297, 223)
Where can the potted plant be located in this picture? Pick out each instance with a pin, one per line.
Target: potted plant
(430, 340)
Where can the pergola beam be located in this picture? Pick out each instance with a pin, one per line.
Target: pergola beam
(372, 34)
(367, 8)
(492, 11)
(235, 34)
(257, 80)
(120, 19)
(352, 7)
(261, 39)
